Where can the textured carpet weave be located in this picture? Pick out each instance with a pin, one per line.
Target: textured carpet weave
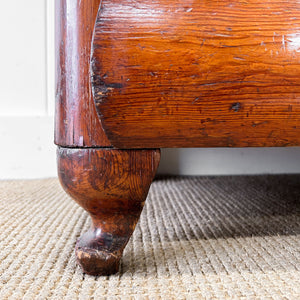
(198, 238)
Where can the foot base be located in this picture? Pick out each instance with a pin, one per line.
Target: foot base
(99, 254)
(95, 262)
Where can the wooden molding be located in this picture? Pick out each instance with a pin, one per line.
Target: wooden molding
(76, 123)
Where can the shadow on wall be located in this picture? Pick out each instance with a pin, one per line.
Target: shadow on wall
(230, 161)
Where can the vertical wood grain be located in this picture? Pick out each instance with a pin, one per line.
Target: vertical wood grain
(77, 124)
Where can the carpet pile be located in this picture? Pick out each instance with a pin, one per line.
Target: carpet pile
(231, 237)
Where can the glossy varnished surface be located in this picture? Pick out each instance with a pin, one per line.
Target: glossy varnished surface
(112, 186)
(76, 123)
(198, 73)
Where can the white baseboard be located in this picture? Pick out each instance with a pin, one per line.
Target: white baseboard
(27, 149)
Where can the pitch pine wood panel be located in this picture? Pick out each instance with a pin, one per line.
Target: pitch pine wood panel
(76, 120)
(198, 73)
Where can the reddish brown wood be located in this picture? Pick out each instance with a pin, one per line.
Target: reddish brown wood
(112, 186)
(77, 123)
(174, 73)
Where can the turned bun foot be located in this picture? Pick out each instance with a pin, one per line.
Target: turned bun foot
(112, 186)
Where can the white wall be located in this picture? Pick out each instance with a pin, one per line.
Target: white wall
(26, 89)
(27, 108)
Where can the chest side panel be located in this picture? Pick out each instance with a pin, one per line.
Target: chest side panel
(198, 73)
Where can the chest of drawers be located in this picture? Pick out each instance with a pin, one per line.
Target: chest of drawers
(135, 76)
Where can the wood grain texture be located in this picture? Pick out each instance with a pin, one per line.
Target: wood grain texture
(112, 185)
(76, 122)
(198, 73)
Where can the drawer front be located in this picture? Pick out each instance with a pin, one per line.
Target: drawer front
(170, 73)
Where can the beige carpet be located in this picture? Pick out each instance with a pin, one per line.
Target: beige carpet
(198, 238)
